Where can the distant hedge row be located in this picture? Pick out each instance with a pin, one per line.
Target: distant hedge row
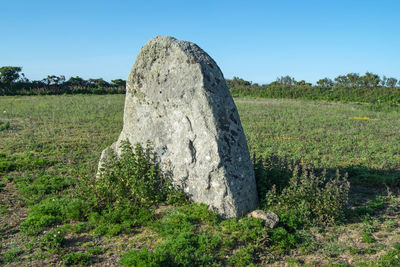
(352, 87)
(21, 89)
(14, 82)
(338, 93)
(389, 95)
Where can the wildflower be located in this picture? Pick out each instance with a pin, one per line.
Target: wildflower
(363, 118)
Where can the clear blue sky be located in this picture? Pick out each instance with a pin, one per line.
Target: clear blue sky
(255, 40)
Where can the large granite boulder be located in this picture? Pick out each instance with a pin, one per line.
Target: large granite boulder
(178, 99)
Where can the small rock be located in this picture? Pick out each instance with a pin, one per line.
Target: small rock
(160, 209)
(271, 219)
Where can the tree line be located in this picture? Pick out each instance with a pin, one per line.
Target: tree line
(14, 82)
(351, 87)
(369, 80)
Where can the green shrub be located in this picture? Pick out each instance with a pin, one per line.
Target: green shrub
(118, 219)
(310, 199)
(368, 229)
(271, 171)
(184, 244)
(184, 249)
(41, 187)
(95, 250)
(7, 164)
(52, 211)
(77, 258)
(134, 177)
(390, 258)
(143, 258)
(281, 240)
(4, 125)
(53, 240)
(36, 222)
(184, 219)
(367, 238)
(12, 255)
(242, 257)
(75, 209)
(245, 229)
(189, 249)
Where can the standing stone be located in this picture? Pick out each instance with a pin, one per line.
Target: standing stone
(177, 98)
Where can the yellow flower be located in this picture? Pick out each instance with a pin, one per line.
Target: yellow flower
(363, 118)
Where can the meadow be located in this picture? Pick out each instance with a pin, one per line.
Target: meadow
(49, 213)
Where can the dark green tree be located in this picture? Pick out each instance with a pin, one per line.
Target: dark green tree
(302, 83)
(98, 83)
(370, 80)
(353, 79)
(9, 74)
(342, 80)
(391, 82)
(236, 81)
(77, 82)
(119, 82)
(325, 82)
(54, 80)
(286, 80)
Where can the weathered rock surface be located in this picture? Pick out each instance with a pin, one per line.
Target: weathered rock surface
(271, 219)
(178, 99)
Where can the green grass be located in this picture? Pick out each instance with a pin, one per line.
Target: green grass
(350, 137)
(49, 156)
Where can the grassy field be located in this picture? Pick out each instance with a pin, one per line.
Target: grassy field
(49, 151)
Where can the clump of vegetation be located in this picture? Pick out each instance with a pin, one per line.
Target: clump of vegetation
(271, 171)
(309, 199)
(26, 161)
(184, 245)
(122, 196)
(144, 257)
(53, 240)
(12, 255)
(76, 258)
(4, 125)
(42, 187)
(390, 258)
(52, 211)
(127, 190)
(133, 178)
